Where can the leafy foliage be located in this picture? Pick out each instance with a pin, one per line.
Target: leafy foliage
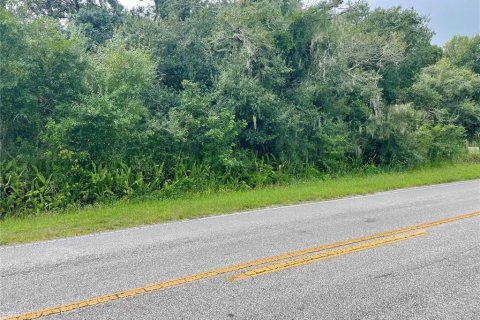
(98, 103)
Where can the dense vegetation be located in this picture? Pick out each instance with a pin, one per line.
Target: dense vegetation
(99, 103)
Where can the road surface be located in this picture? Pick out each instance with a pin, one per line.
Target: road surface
(405, 254)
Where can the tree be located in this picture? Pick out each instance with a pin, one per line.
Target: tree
(391, 137)
(441, 142)
(463, 51)
(42, 68)
(259, 108)
(178, 9)
(61, 9)
(415, 34)
(180, 46)
(451, 95)
(98, 23)
(207, 133)
(188, 95)
(249, 34)
(111, 119)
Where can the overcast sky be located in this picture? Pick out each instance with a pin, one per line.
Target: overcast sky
(447, 17)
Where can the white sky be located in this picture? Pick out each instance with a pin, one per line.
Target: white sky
(447, 17)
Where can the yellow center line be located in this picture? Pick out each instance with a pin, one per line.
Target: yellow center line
(325, 255)
(216, 272)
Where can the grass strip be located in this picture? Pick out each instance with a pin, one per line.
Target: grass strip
(124, 214)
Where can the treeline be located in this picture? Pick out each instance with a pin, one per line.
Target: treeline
(99, 103)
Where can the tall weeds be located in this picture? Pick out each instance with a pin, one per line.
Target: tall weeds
(28, 189)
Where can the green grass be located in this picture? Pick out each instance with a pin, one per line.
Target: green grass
(125, 214)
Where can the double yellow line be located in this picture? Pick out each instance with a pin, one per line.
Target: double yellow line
(293, 259)
(325, 255)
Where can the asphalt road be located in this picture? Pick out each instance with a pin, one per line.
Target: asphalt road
(426, 272)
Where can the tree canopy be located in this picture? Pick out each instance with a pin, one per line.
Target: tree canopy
(98, 102)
